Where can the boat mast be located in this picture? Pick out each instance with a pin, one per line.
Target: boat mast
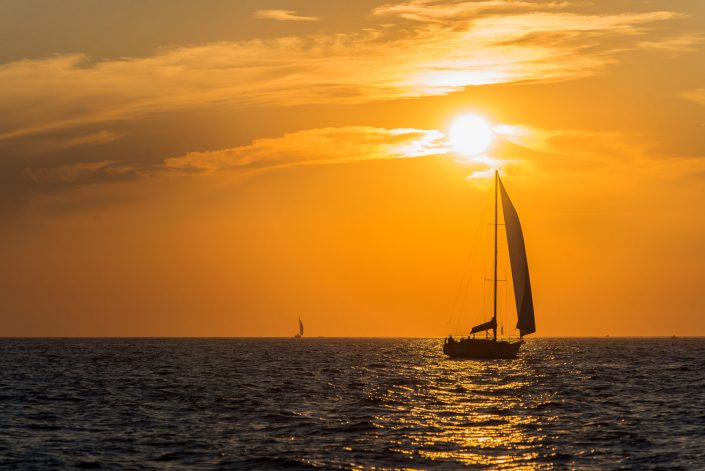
(494, 315)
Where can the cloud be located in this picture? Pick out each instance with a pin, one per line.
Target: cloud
(54, 144)
(315, 146)
(309, 147)
(681, 43)
(441, 54)
(283, 15)
(70, 173)
(519, 149)
(623, 159)
(69, 188)
(582, 146)
(458, 11)
(698, 96)
(614, 162)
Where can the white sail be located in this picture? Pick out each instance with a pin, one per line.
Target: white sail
(520, 266)
(301, 327)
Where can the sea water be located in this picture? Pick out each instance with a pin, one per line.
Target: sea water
(350, 404)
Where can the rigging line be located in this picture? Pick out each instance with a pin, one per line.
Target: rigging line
(464, 288)
(464, 285)
(488, 208)
(465, 277)
(466, 282)
(486, 234)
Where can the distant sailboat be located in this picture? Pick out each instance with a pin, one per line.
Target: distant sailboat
(493, 347)
(301, 329)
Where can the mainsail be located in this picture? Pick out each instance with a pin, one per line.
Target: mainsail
(301, 327)
(520, 266)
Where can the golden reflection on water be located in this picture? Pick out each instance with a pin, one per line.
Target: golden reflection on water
(468, 412)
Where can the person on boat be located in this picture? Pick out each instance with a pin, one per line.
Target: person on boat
(450, 339)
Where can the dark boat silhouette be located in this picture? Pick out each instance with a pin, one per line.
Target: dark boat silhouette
(301, 330)
(493, 347)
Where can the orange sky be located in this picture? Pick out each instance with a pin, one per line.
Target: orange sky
(223, 168)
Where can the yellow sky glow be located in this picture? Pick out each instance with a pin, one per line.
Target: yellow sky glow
(322, 161)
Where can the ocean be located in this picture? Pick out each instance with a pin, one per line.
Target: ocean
(329, 403)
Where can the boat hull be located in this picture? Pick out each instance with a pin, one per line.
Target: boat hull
(482, 348)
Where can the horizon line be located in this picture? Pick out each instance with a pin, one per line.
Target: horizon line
(58, 337)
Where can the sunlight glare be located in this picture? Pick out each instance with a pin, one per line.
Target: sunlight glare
(470, 135)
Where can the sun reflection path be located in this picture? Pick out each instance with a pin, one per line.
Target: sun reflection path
(469, 412)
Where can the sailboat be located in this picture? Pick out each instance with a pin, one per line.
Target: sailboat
(493, 347)
(301, 330)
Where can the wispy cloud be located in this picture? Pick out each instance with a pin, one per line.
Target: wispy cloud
(565, 157)
(579, 154)
(54, 144)
(316, 146)
(522, 149)
(323, 146)
(72, 173)
(698, 96)
(442, 54)
(459, 10)
(283, 15)
(681, 43)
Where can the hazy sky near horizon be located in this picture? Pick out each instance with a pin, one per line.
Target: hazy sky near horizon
(223, 167)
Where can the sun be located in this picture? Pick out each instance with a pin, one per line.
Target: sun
(470, 135)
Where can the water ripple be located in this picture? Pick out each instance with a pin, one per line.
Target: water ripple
(350, 404)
